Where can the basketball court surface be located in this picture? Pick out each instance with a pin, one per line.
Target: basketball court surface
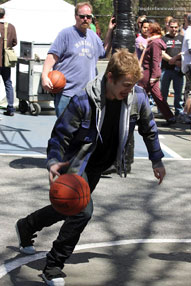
(140, 233)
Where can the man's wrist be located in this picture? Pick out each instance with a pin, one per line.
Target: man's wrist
(157, 164)
(51, 162)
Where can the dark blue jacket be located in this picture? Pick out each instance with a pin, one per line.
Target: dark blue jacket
(75, 133)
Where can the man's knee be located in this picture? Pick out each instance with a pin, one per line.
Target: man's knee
(88, 211)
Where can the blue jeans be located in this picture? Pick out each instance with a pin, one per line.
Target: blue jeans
(6, 76)
(177, 78)
(60, 103)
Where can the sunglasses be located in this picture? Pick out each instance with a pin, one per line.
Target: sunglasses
(85, 16)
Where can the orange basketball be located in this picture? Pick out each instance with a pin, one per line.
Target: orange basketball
(69, 194)
(58, 80)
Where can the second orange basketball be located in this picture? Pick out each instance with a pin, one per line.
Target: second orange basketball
(58, 80)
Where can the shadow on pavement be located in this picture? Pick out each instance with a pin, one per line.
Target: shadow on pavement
(28, 162)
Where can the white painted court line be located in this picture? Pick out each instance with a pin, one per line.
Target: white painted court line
(166, 159)
(170, 151)
(163, 146)
(161, 136)
(23, 155)
(135, 158)
(10, 266)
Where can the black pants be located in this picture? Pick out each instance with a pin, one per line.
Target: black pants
(71, 229)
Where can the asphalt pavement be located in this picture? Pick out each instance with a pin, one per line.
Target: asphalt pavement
(140, 233)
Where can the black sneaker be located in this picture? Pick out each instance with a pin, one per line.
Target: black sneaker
(53, 276)
(24, 238)
(110, 170)
(169, 122)
(8, 113)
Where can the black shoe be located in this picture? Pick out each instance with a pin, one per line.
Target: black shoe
(169, 122)
(8, 113)
(25, 238)
(110, 170)
(53, 276)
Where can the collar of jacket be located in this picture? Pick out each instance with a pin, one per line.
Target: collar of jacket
(96, 90)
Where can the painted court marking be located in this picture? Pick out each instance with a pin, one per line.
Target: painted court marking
(170, 151)
(166, 149)
(10, 266)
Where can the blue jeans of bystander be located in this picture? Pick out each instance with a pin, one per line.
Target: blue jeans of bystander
(60, 103)
(177, 78)
(6, 76)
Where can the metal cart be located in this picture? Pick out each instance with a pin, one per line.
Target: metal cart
(29, 90)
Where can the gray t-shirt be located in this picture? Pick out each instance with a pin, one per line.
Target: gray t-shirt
(78, 55)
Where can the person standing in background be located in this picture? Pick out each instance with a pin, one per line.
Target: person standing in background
(141, 40)
(171, 66)
(152, 71)
(184, 25)
(5, 72)
(75, 53)
(166, 22)
(140, 19)
(186, 67)
(92, 24)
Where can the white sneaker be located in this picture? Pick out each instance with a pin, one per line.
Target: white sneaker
(23, 238)
(53, 276)
(54, 282)
(28, 250)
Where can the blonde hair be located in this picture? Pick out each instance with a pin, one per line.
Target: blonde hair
(79, 5)
(122, 63)
(141, 18)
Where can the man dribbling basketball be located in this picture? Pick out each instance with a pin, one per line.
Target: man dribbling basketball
(91, 134)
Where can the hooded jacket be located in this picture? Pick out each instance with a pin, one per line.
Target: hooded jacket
(76, 131)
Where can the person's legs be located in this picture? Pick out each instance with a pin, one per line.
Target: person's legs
(6, 76)
(177, 86)
(165, 83)
(160, 101)
(36, 221)
(64, 246)
(43, 217)
(70, 231)
(184, 117)
(68, 237)
(60, 103)
(187, 90)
